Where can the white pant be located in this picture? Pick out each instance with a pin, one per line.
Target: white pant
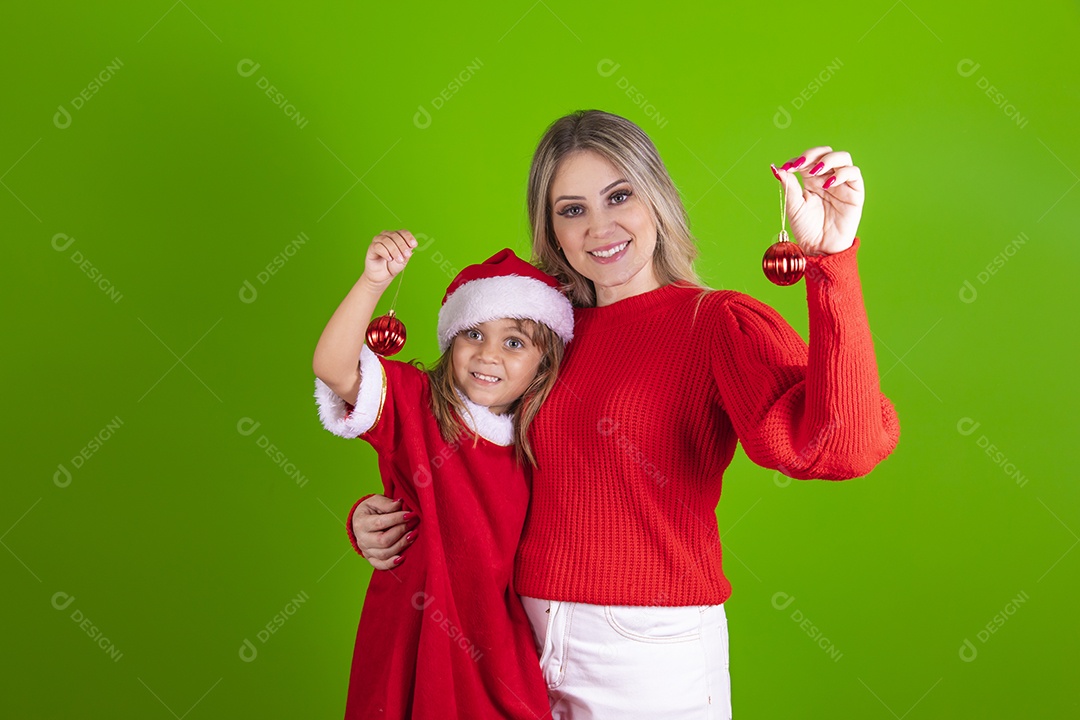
(621, 662)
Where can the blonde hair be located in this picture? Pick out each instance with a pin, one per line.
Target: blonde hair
(629, 149)
(448, 408)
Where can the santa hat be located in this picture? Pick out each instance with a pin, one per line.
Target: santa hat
(503, 286)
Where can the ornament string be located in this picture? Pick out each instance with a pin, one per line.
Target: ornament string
(783, 214)
(784, 262)
(401, 279)
(386, 334)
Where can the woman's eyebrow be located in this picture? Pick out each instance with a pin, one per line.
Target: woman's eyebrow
(579, 197)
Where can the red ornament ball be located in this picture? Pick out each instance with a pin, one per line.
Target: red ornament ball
(784, 262)
(386, 335)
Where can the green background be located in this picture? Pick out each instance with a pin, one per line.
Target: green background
(180, 181)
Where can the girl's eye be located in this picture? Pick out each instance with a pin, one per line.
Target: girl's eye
(473, 334)
(570, 211)
(620, 196)
(514, 344)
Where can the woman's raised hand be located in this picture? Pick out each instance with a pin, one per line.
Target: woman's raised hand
(824, 212)
(387, 255)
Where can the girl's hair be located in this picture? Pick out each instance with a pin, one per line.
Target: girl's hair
(629, 149)
(447, 405)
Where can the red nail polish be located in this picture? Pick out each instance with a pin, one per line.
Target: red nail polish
(411, 536)
(817, 168)
(773, 168)
(829, 182)
(786, 166)
(798, 161)
(398, 500)
(399, 559)
(408, 516)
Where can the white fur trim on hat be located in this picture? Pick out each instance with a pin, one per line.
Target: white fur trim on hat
(368, 405)
(506, 296)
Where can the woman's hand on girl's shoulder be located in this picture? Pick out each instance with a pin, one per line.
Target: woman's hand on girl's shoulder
(824, 212)
(387, 256)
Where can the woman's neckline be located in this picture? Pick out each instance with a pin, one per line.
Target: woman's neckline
(632, 307)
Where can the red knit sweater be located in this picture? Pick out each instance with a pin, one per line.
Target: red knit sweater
(653, 394)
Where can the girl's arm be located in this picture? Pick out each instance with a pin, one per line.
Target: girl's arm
(337, 353)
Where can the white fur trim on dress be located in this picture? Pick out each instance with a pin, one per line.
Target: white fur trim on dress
(498, 429)
(368, 403)
(507, 296)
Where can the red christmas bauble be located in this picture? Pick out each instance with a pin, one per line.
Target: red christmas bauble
(386, 335)
(784, 262)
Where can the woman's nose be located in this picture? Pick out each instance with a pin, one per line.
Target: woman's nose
(601, 225)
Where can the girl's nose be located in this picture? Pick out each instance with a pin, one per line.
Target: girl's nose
(488, 351)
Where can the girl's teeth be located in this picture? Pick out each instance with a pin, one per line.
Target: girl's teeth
(609, 253)
(486, 378)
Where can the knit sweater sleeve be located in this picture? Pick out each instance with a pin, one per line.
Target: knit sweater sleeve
(812, 411)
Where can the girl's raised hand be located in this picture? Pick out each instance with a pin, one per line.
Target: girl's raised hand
(387, 255)
(824, 213)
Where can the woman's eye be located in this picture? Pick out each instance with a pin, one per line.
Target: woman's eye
(620, 196)
(570, 211)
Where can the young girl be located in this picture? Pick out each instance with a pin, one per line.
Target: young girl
(445, 635)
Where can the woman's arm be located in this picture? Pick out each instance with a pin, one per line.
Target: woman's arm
(812, 411)
(338, 350)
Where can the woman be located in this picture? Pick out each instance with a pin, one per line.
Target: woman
(619, 565)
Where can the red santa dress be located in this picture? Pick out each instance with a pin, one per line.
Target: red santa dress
(444, 635)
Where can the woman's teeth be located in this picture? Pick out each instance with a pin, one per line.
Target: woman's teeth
(611, 252)
(485, 378)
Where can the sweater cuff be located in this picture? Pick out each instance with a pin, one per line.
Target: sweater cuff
(349, 526)
(830, 277)
(350, 420)
(819, 267)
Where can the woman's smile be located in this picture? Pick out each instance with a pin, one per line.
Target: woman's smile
(610, 253)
